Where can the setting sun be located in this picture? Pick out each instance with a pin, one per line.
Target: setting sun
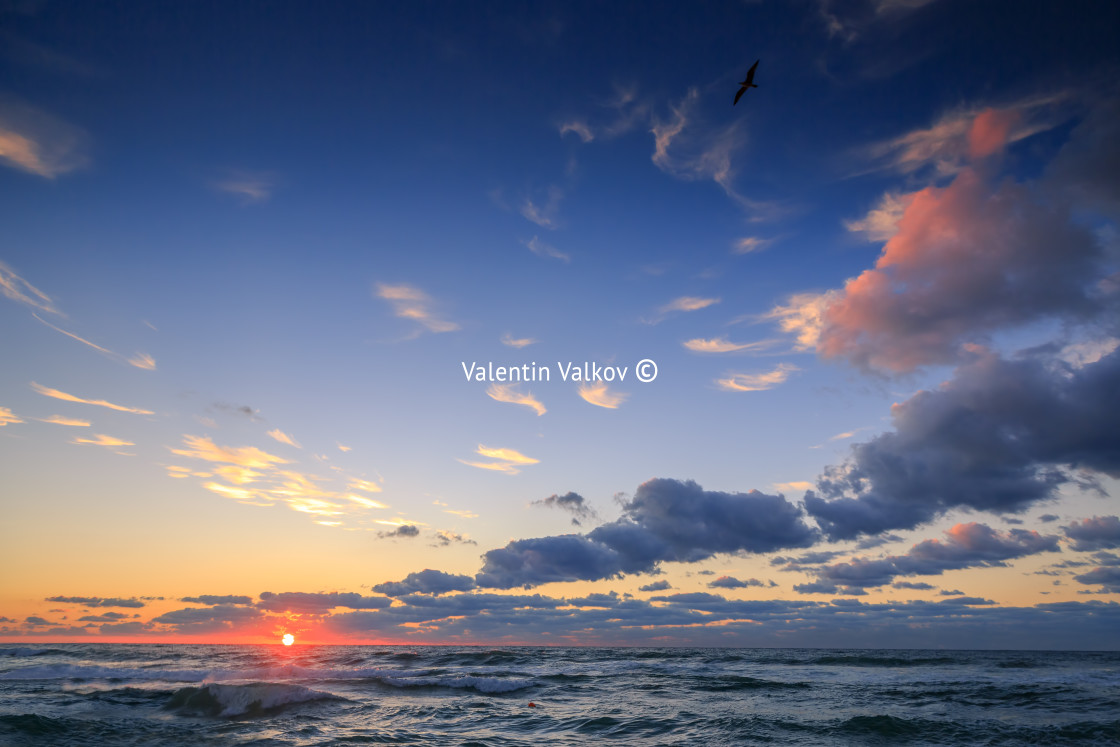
(288, 639)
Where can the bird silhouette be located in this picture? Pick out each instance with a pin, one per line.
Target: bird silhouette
(748, 83)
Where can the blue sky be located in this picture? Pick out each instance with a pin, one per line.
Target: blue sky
(247, 252)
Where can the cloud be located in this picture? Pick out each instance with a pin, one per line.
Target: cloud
(7, 417)
(508, 393)
(723, 345)
(999, 436)
(17, 289)
(101, 439)
(201, 447)
(412, 303)
(403, 530)
(318, 603)
(730, 582)
(656, 586)
(625, 111)
(48, 392)
(599, 395)
(521, 342)
(965, 546)
(283, 438)
(960, 262)
(749, 244)
(241, 410)
(687, 303)
(426, 581)
(541, 249)
(444, 538)
(60, 420)
(573, 503)
(210, 620)
(36, 142)
(98, 601)
(140, 360)
(342, 448)
(506, 460)
(213, 599)
(250, 187)
(914, 585)
(667, 520)
(544, 215)
(365, 485)
(742, 382)
(1097, 533)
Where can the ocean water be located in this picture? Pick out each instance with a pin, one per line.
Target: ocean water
(104, 694)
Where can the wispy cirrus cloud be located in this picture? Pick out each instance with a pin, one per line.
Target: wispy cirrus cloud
(682, 304)
(723, 345)
(60, 420)
(7, 417)
(541, 249)
(504, 460)
(517, 342)
(56, 394)
(283, 438)
(509, 393)
(756, 382)
(100, 439)
(600, 395)
(16, 288)
(201, 447)
(140, 360)
(545, 213)
(39, 143)
(250, 187)
(750, 244)
(412, 303)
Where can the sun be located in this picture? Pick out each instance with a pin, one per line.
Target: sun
(288, 639)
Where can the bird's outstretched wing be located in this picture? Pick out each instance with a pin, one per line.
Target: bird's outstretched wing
(739, 95)
(750, 74)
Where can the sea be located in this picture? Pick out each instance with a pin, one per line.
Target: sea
(117, 694)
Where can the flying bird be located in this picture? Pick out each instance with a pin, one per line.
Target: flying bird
(748, 83)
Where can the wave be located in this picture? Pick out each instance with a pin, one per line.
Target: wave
(392, 677)
(20, 651)
(226, 701)
(865, 660)
(741, 682)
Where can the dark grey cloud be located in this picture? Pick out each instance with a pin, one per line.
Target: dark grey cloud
(964, 546)
(573, 503)
(404, 530)
(1047, 518)
(1107, 576)
(98, 601)
(212, 599)
(443, 538)
(666, 520)
(656, 586)
(730, 582)
(108, 617)
(426, 581)
(1097, 533)
(208, 620)
(243, 411)
(915, 585)
(1000, 436)
(318, 603)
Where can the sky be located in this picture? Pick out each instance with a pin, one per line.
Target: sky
(499, 323)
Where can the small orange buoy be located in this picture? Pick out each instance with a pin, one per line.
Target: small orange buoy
(532, 704)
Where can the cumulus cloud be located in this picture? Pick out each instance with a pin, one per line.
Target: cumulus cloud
(960, 262)
(426, 581)
(56, 394)
(964, 546)
(412, 303)
(404, 531)
(17, 289)
(656, 586)
(1108, 577)
(666, 520)
(1097, 533)
(999, 436)
(513, 395)
(209, 620)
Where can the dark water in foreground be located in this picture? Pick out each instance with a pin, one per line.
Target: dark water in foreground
(349, 695)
